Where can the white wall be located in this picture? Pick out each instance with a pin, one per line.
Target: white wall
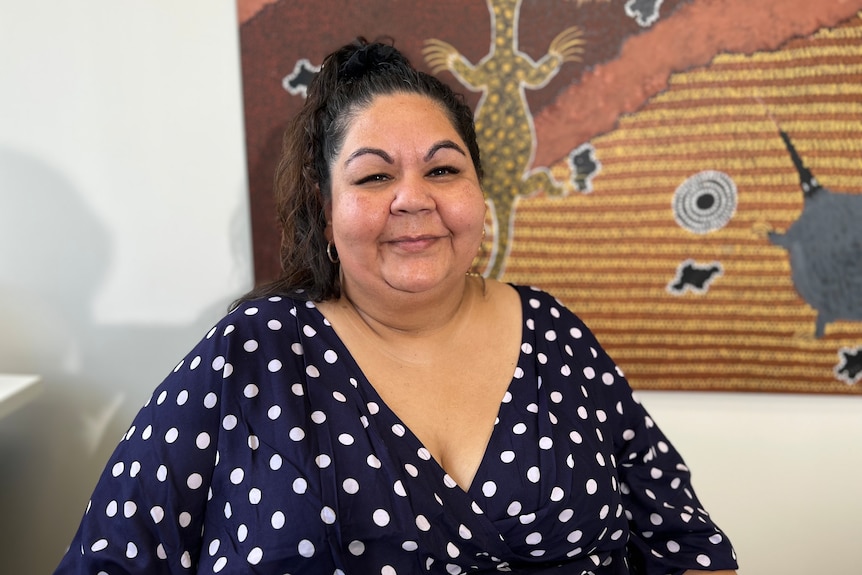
(124, 233)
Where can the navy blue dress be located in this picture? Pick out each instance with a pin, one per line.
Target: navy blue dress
(266, 451)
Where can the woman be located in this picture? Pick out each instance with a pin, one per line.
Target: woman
(381, 410)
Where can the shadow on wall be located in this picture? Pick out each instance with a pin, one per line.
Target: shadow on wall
(54, 254)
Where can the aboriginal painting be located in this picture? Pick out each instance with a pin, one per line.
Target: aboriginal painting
(686, 175)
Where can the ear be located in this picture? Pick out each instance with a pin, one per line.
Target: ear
(327, 213)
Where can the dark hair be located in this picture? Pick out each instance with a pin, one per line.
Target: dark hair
(349, 80)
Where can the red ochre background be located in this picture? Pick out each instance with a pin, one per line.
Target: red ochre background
(701, 89)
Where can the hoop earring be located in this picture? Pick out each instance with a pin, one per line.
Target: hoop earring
(329, 249)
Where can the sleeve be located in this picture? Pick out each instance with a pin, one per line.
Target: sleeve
(670, 531)
(147, 510)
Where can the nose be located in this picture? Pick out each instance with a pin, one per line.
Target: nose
(413, 195)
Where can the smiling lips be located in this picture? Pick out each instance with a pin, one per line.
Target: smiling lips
(414, 243)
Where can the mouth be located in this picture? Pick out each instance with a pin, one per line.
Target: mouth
(414, 243)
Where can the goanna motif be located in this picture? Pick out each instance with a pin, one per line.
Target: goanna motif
(504, 125)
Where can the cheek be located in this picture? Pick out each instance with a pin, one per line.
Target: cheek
(357, 217)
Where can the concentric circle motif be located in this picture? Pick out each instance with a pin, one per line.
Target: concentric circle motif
(705, 202)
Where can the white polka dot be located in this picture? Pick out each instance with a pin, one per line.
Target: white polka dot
(296, 434)
(274, 366)
(519, 429)
(277, 520)
(274, 412)
(229, 422)
(380, 518)
(330, 356)
(411, 470)
(557, 494)
(112, 508)
(398, 430)
(297, 349)
(157, 513)
(185, 519)
(575, 536)
(533, 474)
(527, 518)
(398, 488)
(410, 546)
(372, 461)
(534, 538)
(356, 548)
(312, 371)
(275, 462)
(202, 440)
(220, 564)
(565, 515)
(251, 390)
(172, 435)
(327, 515)
(162, 473)
(551, 335)
(237, 475)
(318, 417)
(592, 486)
(300, 486)
(306, 548)
(273, 324)
(251, 311)
(213, 547)
(703, 560)
(131, 550)
(589, 372)
(242, 533)
(254, 495)
(323, 461)
(489, 488)
(655, 519)
(195, 481)
(716, 539)
(339, 397)
(507, 456)
(422, 523)
(210, 400)
(546, 443)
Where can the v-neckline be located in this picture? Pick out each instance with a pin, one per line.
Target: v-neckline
(372, 394)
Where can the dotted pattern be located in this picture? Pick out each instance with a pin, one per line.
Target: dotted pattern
(266, 451)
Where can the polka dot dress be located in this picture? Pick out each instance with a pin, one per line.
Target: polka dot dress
(266, 451)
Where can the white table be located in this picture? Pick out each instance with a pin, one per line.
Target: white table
(16, 390)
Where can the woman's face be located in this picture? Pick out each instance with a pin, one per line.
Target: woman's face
(407, 210)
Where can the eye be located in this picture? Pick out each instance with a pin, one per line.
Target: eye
(373, 178)
(443, 171)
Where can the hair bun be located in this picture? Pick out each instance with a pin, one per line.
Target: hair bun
(369, 58)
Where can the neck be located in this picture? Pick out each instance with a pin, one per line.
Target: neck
(414, 315)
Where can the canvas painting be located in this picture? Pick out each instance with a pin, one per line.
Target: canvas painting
(685, 175)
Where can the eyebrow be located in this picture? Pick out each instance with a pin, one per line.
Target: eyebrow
(441, 145)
